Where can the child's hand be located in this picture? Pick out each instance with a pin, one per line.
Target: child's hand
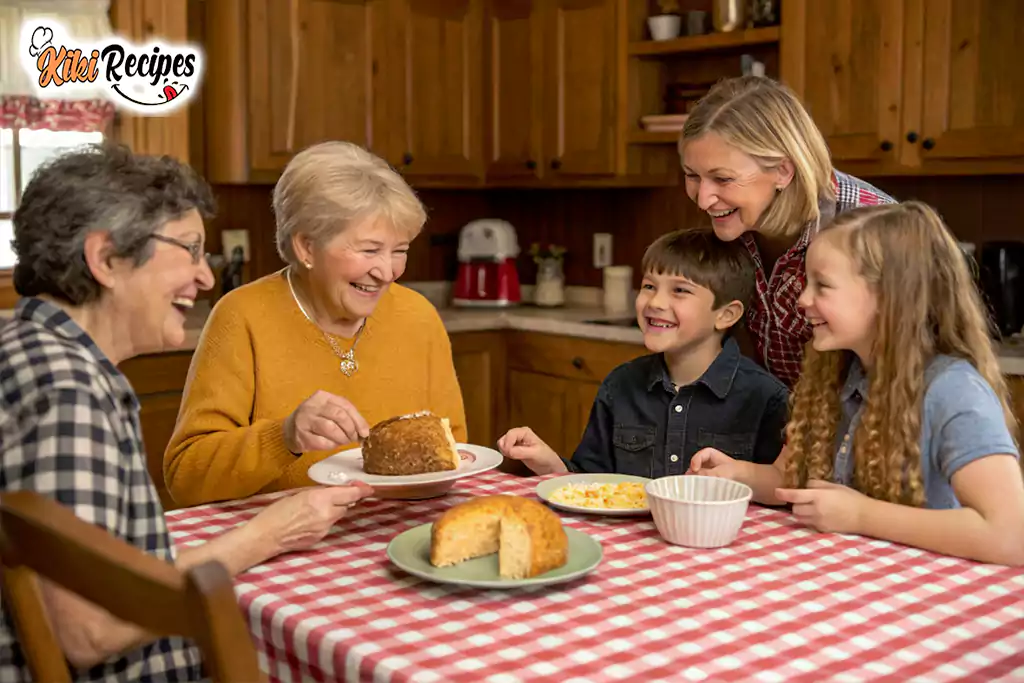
(826, 506)
(520, 443)
(709, 462)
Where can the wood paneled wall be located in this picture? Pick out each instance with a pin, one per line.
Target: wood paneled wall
(977, 209)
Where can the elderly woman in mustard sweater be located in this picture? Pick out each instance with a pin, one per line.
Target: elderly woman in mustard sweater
(299, 364)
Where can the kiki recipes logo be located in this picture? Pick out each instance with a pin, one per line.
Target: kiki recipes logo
(155, 79)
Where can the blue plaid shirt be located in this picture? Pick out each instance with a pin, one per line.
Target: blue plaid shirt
(69, 429)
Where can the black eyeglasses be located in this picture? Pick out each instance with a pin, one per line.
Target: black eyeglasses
(194, 248)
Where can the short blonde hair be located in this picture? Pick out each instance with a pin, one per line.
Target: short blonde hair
(331, 185)
(766, 120)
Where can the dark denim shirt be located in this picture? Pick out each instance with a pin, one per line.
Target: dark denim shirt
(640, 425)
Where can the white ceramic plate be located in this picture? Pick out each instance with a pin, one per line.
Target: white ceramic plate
(546, 488)
(348, 465)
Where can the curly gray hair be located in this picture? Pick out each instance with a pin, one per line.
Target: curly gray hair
(332, 185)
(102, 187)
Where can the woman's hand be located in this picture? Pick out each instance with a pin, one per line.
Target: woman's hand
(826, 506)
(323, 422)
(520, 443)
(303, 519)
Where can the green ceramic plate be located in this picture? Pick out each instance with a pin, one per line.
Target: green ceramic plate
(410, 551)
(549, 486)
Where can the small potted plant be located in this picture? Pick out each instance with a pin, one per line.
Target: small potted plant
(665, 26)
(550, 287)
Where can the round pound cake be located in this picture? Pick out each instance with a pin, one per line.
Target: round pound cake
(527, 535)
(410, 444)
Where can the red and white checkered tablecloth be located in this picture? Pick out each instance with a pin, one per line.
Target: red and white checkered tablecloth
(782, 603)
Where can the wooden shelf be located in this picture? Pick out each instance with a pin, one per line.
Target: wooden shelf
(706, 43)
(644, 137)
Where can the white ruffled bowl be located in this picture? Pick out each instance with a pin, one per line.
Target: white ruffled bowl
(696, 511)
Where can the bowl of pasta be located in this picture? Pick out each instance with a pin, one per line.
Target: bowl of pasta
(696, 511)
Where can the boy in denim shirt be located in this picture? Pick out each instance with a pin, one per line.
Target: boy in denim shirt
(694, 390)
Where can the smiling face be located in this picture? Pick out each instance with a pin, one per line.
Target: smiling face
(156, 296)
(838, 302)
(352, 271)
(678, 315)
(731, 186)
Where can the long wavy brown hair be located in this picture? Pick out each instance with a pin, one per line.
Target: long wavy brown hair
(928, 304)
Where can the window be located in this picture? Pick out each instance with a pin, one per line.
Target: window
(22, 151)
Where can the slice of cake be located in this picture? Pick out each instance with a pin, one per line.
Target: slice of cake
(410, 444)
(527, 535)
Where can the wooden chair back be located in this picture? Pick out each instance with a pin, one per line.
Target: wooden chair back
(42, 538)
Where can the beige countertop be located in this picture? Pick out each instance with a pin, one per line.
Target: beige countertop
(568, 320)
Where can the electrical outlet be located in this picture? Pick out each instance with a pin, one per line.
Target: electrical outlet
(602, 249)
(235, 238)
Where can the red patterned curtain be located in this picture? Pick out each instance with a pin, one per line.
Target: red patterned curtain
(19, 106)
(23, 111)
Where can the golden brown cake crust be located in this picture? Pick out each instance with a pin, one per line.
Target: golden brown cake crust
(549, 543)
(409, 444)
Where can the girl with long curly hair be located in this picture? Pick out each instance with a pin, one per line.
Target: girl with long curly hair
(900, 426)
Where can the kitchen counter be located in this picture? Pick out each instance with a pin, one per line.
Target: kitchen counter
(573, 321)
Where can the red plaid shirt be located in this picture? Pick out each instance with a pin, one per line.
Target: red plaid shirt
(776, 323)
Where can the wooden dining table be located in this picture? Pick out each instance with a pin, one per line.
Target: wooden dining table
(781, 603)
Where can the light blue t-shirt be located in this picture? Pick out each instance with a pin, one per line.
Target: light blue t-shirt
(962, 421)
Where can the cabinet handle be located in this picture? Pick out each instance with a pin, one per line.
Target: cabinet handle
(886, 146)
(911, 137)
(928, 143)
(406, 158)
(577, 363)
(531, 164)
(556, 164)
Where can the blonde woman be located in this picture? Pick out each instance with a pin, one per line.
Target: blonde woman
(756, 163)
(299, 364)
(901, 428)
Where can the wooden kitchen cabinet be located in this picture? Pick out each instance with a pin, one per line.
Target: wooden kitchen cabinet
(158, 380)
(910, 86)
(172, 134)
(556, 104)
(432, 81)
(281, 76)
(553, 381)
(480, 365)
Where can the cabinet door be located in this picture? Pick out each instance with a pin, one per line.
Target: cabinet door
(479, 359)
(311, 75)
(143, 22)
(514, 58)
(548, 406)
(434, 78)
(582, 68)
(971, 104)
(844, 58)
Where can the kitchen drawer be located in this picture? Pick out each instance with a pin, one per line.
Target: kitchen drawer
(570, 357)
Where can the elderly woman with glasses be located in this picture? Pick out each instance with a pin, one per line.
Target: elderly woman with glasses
(110, 258)
(298, 364)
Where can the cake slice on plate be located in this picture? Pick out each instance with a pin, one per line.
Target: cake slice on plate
(417, 443)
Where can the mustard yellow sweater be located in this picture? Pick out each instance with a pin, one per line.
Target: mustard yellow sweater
(258, 358)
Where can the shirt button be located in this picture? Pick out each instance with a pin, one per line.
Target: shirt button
(674, 458)
(846, 438)
(679, 409)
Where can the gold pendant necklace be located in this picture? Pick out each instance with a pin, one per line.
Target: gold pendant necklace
(348, 365)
